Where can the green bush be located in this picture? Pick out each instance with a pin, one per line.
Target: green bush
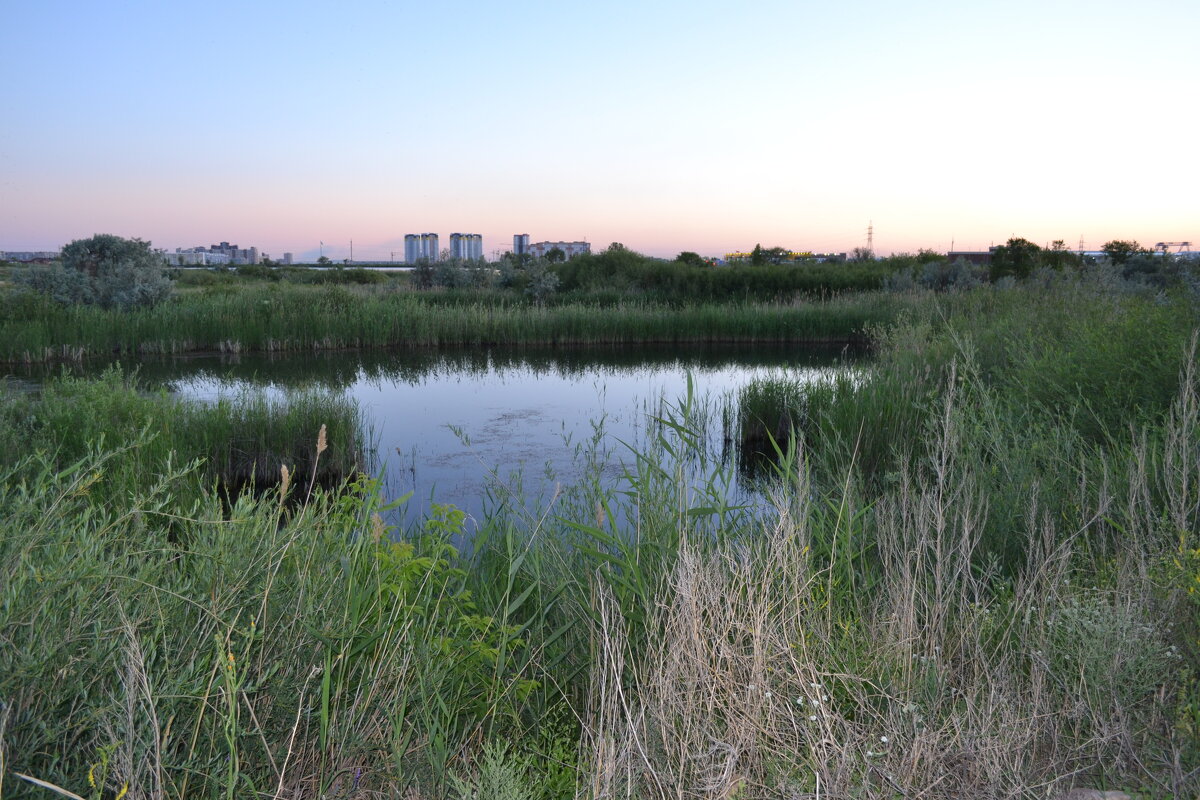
(106, 271)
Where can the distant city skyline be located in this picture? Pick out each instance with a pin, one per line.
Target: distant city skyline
(395, 250)
(664, 125)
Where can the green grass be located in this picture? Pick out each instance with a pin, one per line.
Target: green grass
(981, 563)
(240, 442)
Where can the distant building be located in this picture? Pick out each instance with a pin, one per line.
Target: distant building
(30, 255)
(287, 259)
(520, 244)
(466, 246)
(569, 249)
(196, 257)
(235, 254)
(418, 246)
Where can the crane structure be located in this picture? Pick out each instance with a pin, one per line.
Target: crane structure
(1184, 247)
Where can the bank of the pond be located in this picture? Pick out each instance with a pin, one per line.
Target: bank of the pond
(287, 318)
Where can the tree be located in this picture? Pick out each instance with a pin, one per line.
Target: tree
(105, 270)
(1058, 256)
(1017, 257)
(861, 254)
(323, 260)
(1119, 251)
(555, 255)
(775, 255)
(690, 259)
(756, 256)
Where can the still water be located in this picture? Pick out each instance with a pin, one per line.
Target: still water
(471, 427)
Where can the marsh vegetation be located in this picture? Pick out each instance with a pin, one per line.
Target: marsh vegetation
(979, 574)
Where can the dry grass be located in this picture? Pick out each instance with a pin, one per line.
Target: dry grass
(769, 677)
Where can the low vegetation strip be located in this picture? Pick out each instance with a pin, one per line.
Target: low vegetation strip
(304, 318)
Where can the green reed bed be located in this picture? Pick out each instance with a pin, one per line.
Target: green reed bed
(239, 441)
(302, 318)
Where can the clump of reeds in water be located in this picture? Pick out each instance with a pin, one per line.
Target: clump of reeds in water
(770, 406)
(238, 442)
(247, 438)
(770, 411)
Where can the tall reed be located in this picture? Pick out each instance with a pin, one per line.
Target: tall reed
(291, 318)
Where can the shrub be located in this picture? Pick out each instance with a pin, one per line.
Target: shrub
(67, 287)
(542, 282)
(105, 270)
(962, 274)
(257, 271)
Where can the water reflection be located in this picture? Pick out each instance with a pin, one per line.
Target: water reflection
(475, 427)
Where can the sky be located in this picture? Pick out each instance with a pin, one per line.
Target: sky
(666, 126)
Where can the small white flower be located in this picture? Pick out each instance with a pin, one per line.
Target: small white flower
(751, 687)
(767, 695)
(799, 701)
(883, 739)
(812, 718)
(825, 697)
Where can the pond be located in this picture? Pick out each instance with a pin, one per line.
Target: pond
(475, 427)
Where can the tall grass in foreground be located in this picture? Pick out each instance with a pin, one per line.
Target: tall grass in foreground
(867, 649)
(840, 643)
(1002, 604)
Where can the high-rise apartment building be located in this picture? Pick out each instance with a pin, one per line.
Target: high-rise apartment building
(466, 246)
(569, 249)
(520, 244)
(420, 246)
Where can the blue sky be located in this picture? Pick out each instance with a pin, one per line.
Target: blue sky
(667, 126)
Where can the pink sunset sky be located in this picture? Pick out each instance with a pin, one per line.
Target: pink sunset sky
(699, 126)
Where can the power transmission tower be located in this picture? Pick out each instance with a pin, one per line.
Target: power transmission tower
(870, 237)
